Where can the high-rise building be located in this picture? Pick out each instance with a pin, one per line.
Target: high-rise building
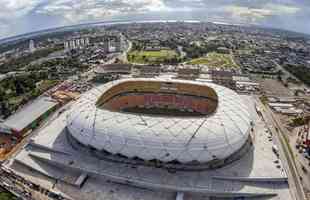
(75, 43)
(78, 44)
(87, 41)
(82, 41)
(117, 42)
(67, 45)
(31, 46)
(106, 44)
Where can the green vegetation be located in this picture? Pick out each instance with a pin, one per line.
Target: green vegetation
(18, 90)
(301, 72)
(194, 51)
(215, 60)
(6, 196)
(299, 121)
(18, 63)
(43, 39)
(264, 99)
(70, 64)
(46, 84)
(153, 57)
(35, 80)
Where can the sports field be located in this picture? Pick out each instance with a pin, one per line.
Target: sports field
(215, 60)
(151, 56)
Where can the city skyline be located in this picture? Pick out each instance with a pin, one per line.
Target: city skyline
(19, 16)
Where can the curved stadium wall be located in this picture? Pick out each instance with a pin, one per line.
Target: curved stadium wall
(218, 133)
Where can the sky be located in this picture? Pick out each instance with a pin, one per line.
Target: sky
(23, 16)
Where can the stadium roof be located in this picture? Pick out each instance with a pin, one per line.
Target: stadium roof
(185, 139)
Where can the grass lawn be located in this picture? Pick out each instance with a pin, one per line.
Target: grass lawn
(151, 56)
(215, 60)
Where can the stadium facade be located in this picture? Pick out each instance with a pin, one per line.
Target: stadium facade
(166, 136)
(167, 121)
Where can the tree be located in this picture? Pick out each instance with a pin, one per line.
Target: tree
(6, 196)
(279, 77)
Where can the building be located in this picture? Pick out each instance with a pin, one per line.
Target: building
(118, 44)
(281, 105)
(189, 73)
(224, 78)
(107, 72)
(32, 46)
(223, 50)
(5, 129)
(76, 43)
(106, 45)
(161, 104)
(146, 71)
(31, 115)
(119, 137)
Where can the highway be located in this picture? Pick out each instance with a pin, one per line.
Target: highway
(278, 131)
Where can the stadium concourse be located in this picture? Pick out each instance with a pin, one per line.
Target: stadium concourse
(166, 136)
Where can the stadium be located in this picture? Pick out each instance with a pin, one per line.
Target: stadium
(147, 136)
(171, 123)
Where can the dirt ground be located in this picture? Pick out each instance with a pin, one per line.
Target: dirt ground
(275, 87)
(6, 145)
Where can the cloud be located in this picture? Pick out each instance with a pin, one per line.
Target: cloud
(88, 10)
(20, 16)
(255, 14)
(16, 8)
(278, 9)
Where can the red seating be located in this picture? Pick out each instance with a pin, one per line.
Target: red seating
(196, 104)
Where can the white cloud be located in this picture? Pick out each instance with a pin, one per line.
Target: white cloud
(278, 9)
(4, 29)
(17, 16)
(87, 10)
(11, 9)
(255, 14)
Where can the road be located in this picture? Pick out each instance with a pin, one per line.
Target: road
(123, 56)
(24, 189)
(286, 156)
(301, 161)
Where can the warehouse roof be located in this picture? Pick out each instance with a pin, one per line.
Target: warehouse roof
(30, 113)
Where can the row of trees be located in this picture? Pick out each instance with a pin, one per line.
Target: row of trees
(7, 196)
(169, 60)
(301, 72)
(194, 51)
(18, 90)
(18, 63)
(69, 63)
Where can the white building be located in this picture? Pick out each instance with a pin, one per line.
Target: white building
(32, 46)
(76, 43)
(184, 139)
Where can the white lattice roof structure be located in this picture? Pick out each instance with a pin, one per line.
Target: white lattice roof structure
(165, 138)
